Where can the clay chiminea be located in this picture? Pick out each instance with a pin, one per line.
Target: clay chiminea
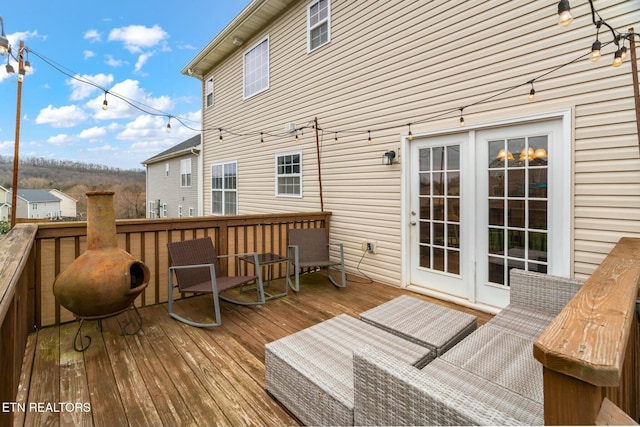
(104, 280)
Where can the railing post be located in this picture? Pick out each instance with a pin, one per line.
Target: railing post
(589, 351)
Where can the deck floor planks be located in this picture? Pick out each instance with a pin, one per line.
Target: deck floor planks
(187, 376)
(172, 409)
(73, 379)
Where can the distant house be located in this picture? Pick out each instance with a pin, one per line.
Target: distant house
(37, 204)
(5, 204)
(67, 204)
(172, 181)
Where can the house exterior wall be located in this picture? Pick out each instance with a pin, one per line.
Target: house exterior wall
(393, 62)
(167, 187)
(67, 204)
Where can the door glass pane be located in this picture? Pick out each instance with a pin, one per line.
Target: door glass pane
(517, 189)
(439, 219)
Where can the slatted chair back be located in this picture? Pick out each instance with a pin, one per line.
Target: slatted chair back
(312, 244)
(193, 252)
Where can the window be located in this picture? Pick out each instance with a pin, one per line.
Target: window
(163, 213)
(191, 212)
(289, 174)
(152, 210)
(179, 211)
(224, 189)
(256, 69)
(318, 24)
(185, 173)
(209, 92)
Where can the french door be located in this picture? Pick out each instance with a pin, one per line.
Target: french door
(484, 202)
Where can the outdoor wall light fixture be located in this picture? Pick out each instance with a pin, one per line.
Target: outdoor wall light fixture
(388, 157)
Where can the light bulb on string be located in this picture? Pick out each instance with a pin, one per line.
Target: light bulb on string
(461, 118)
(105, 104)
(410, 135)
(532, 93)
(595, 47)
(297, 139)
(617, 58)
(336, 139)
(369, 140)
(169, 125)
(220, 138)
(564, 13)
(261, 139)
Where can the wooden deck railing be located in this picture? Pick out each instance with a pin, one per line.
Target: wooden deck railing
(16, 315)
(590, 350)
(59, 244)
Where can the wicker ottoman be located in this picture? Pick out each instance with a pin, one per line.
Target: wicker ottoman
(424, 323)
(311, 372)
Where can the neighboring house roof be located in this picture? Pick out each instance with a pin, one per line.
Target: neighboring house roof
(184, 147)
(253, 18)
(58, 192)
(33, 196)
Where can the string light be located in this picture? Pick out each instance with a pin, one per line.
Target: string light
(261, 139)
(369, 140)
(4, 42)
(220, 130)
(297, 139)
(105, 104)
(336, 139)
(461, 118)
(532, 93)
(410, 135)
(564, 13)
(169, 125)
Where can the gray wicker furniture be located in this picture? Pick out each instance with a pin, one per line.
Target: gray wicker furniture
(489, 378)
(434, 326)
(311, 372)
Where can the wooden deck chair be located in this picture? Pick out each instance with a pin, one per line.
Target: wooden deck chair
(308, 247)
(197, 270)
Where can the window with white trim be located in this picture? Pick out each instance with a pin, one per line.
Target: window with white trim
(289, 174)
(256, 69)
(185, 173)
(209, 92)
(179, 211)
(224, 188)
(318, 24)
(191, 212)
(152, 209)
(165, 209)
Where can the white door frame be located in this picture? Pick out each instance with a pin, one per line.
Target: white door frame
(563, 269)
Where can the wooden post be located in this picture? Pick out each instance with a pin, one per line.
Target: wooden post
(319, 165)
(16, 147)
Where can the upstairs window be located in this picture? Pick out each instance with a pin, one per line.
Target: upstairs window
(185, 173)
(256, 69)
(289, 175)
(318, 24)
(209, 93)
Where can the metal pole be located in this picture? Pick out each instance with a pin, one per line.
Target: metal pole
(16, 148)
(634, 74)
(319, 168)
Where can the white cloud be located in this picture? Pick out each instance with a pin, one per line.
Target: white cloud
(93, 36)
(132, 92)
(61, 140)
(67, 116)
(94, 134)
(137, 37)
(80, 89)
(142, 59)
(88, 54)
(112, 62)
(102, 149)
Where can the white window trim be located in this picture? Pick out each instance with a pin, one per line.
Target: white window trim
(309, 28)
(244, 57)
(223, 189)
(207, 92)
(277, 156)
(152, 209)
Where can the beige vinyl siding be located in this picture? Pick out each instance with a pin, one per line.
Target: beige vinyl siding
(390, 63)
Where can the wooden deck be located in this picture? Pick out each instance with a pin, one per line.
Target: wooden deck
(170, 374)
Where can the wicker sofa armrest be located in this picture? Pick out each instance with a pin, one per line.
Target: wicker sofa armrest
(541, 292)
(390, 392)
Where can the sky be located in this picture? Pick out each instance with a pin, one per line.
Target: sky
(134, 49)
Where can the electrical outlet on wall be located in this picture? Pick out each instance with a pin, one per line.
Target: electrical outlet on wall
(369, 246)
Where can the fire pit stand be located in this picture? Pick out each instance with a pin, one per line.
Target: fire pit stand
(78, 340)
